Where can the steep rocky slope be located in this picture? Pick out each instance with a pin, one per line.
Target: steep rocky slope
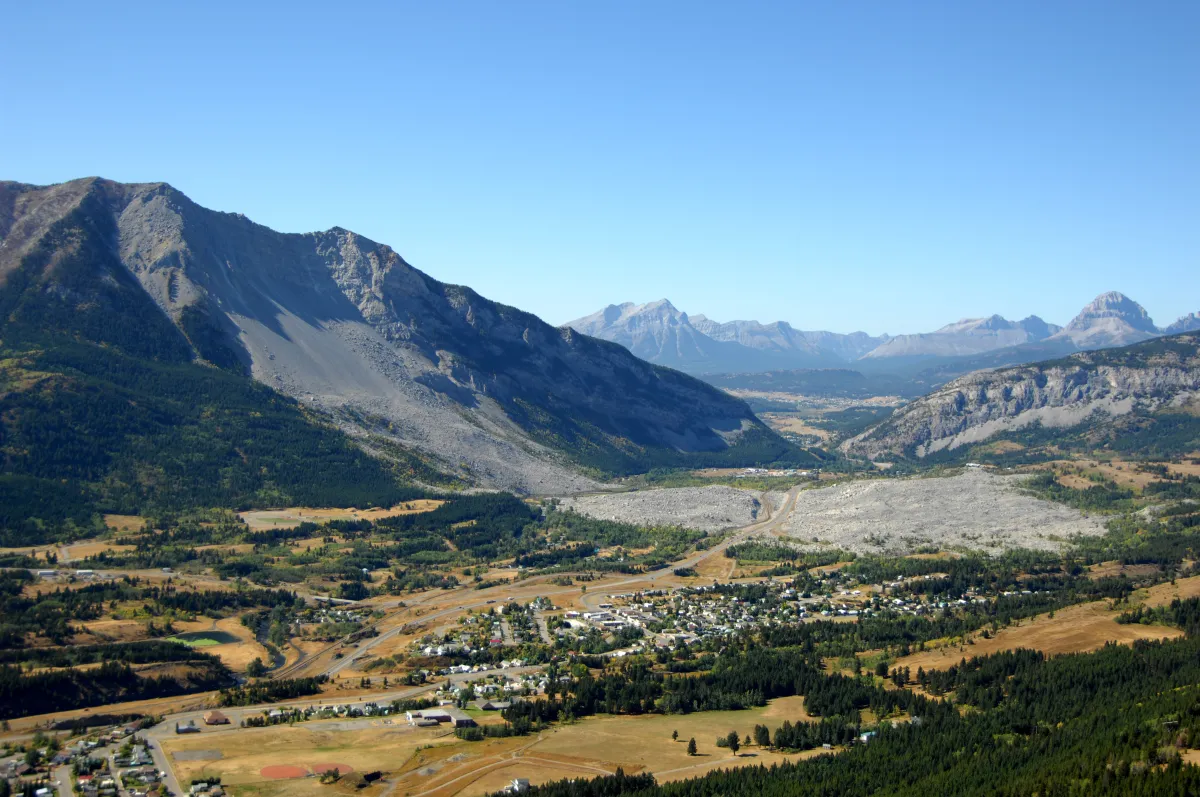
(1144, 378)
(345, 325)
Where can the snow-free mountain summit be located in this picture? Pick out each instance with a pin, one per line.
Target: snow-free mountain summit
(658, 332)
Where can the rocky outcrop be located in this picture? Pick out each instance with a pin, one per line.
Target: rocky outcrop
(1060, 393)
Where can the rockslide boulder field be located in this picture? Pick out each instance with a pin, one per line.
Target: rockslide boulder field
(345, 325)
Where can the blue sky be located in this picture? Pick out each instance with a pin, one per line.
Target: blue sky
(878, 166)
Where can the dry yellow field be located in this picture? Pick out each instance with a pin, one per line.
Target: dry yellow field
(294, 516)
(431, 761)
(1163, 594)
(787, 422)
(362, 745)
(235, 655)
(1115, 569)
(82, 550)
(124, 523)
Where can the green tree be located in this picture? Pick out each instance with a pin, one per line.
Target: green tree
(256, 668)
(674, 736)
(733, 741)
(691, 747)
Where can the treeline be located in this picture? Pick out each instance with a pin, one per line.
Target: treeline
(44, 691)
(1104, 496)
(50, 614)
(758, 551)
(1114, 722)
(808, 735)
(603, 786)
(735, 681)
(157, 650)
(1183, 614)
(271, 691)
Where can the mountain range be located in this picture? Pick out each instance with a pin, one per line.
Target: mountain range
(660, 333)
(107, 289)
(1143, 399)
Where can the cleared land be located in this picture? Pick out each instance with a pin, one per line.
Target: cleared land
(227, 638)
(790, 422)
(292, 517)
(712, 508)
(974, 510)
(1075, 629)
(245, 752)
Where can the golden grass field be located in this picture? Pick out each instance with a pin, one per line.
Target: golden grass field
(124, 523)
(294, 516)
(1075, 629)
(788, 422)
(235, 655)
(448, 766)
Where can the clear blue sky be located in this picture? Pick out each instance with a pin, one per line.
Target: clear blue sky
(888, 166)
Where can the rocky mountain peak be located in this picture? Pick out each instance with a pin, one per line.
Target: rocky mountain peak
(1114, 305)
(1037, 328)
(1187, 323)
(1111, 319)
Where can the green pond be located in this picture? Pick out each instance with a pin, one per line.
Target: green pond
(204, 639)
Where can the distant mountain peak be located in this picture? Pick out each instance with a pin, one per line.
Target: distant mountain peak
(1111, 319)
(661, 333)
(1185, 323)
(1114, 304)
